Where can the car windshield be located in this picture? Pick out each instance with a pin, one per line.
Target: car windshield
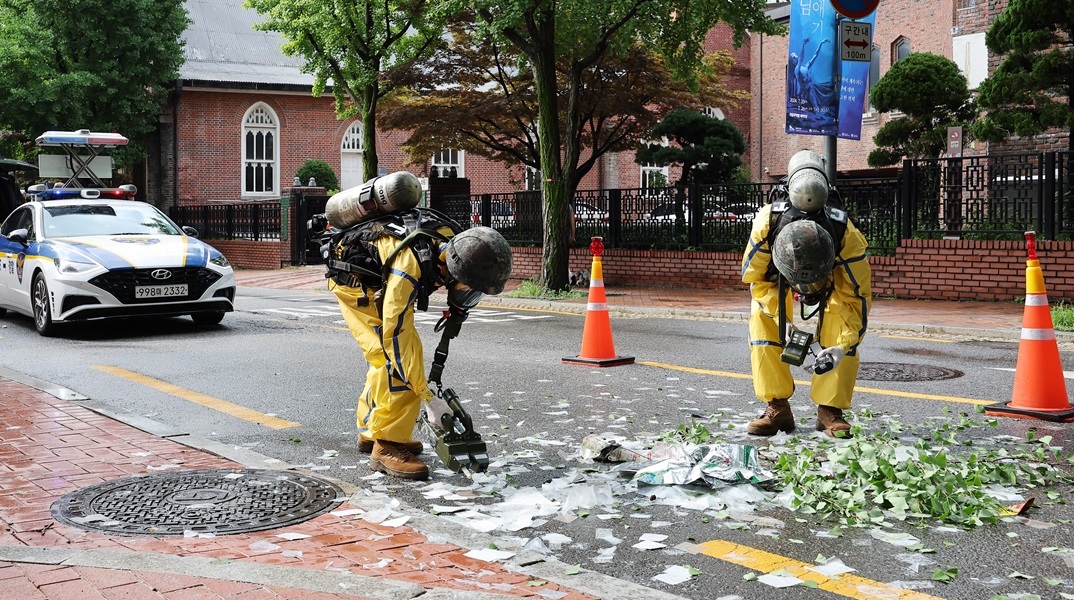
(106, 219)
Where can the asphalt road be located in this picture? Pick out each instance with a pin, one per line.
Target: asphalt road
(280, 375)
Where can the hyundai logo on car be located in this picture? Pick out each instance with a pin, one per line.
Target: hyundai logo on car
(161, 274)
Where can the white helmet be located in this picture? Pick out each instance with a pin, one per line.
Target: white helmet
(807, 183)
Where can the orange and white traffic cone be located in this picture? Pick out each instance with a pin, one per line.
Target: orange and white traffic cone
(1040, 390)
(598, 349)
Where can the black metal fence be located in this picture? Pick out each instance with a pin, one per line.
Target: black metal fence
(981, 197)
(997, 197)
(256, 221)
(709, 217)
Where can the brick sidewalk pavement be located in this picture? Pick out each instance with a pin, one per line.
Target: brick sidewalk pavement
(50, 447)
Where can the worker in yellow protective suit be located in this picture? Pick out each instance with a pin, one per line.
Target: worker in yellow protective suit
(381, 319)
(821, 258)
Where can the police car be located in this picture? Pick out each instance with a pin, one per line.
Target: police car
(85, 253)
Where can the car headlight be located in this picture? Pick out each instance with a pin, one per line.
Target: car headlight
(68, 266)
(220, 261)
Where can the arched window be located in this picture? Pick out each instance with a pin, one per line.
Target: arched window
(350, 157)
(900, 49)
(260, 156)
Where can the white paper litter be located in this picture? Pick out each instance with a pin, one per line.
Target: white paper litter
(489, 554)
(347, 512)
(674, 575)
(293, 536)
(831, 568)
(779, 581)
(649, 545)
(894, 537)
(397, 522)
(263, 546)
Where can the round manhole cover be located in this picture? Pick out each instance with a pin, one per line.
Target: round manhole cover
(905, 372)
(217, 501)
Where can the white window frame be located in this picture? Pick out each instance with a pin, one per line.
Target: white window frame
(448, 158)
(713, 112)
(260, 119)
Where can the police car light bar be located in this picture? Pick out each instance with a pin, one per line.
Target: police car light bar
(82, 137)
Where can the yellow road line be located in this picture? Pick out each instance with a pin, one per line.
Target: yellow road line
(223, 406)
(847, 584)
(807, 383)
(917, 339)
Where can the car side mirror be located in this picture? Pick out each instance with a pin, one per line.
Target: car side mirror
(190, 231)
(20, 236)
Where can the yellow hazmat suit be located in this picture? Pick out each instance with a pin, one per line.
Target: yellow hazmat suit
(395, 384)
(843, 324)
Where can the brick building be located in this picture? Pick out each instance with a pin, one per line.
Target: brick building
(242, 120)
(953, 29)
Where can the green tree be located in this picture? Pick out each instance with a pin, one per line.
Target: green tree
(570, 37)
(709, 149)
(1032, 90)
(103, 65)
(355, 46)
(320, 171)
(486, 105)
(931, 93)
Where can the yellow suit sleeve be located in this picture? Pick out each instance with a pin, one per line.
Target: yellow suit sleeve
(850, 300)
(755, 261)
(399, 336)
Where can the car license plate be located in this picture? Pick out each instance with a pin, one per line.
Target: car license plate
(160, 291)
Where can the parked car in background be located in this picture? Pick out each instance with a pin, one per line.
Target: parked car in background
(585, 214)
(668, 213)
(741, 211)
(502, 213)
(74, 254)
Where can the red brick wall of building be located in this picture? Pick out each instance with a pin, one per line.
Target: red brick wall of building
(926, 23)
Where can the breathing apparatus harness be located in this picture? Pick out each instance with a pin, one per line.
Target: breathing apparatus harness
(832, 219)
(352, 260)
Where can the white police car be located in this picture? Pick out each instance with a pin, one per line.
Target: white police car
(74, 254)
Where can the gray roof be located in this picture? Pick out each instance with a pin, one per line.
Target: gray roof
(223, 47)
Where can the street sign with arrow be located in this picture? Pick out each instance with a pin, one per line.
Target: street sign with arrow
(856, 41)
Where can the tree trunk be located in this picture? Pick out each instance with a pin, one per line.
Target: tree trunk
(555, 258)
(368, 114)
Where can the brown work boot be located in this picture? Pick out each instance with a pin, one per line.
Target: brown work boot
(365, 445)
(777, 417)
(830, 421)
(394, 459)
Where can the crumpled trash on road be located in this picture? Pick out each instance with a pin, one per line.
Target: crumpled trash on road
(714, 465)
(619, 449)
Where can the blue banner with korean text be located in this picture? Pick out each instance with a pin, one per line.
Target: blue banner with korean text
(853, 88)
(812, 98)
(825, 95)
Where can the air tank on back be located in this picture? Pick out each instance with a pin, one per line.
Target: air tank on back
(379, 196)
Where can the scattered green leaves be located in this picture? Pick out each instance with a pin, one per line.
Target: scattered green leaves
(945, 575)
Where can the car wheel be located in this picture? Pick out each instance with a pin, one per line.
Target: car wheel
(42, 312)
(3, 311)
(207, 318)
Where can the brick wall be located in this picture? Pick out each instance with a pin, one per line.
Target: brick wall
(921, 269)
(926, 23)
(246, 254)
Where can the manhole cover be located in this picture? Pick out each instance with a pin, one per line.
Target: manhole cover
(905, 372)
(218, 501)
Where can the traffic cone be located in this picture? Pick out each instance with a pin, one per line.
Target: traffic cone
(598, 349)
(1040, 390)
